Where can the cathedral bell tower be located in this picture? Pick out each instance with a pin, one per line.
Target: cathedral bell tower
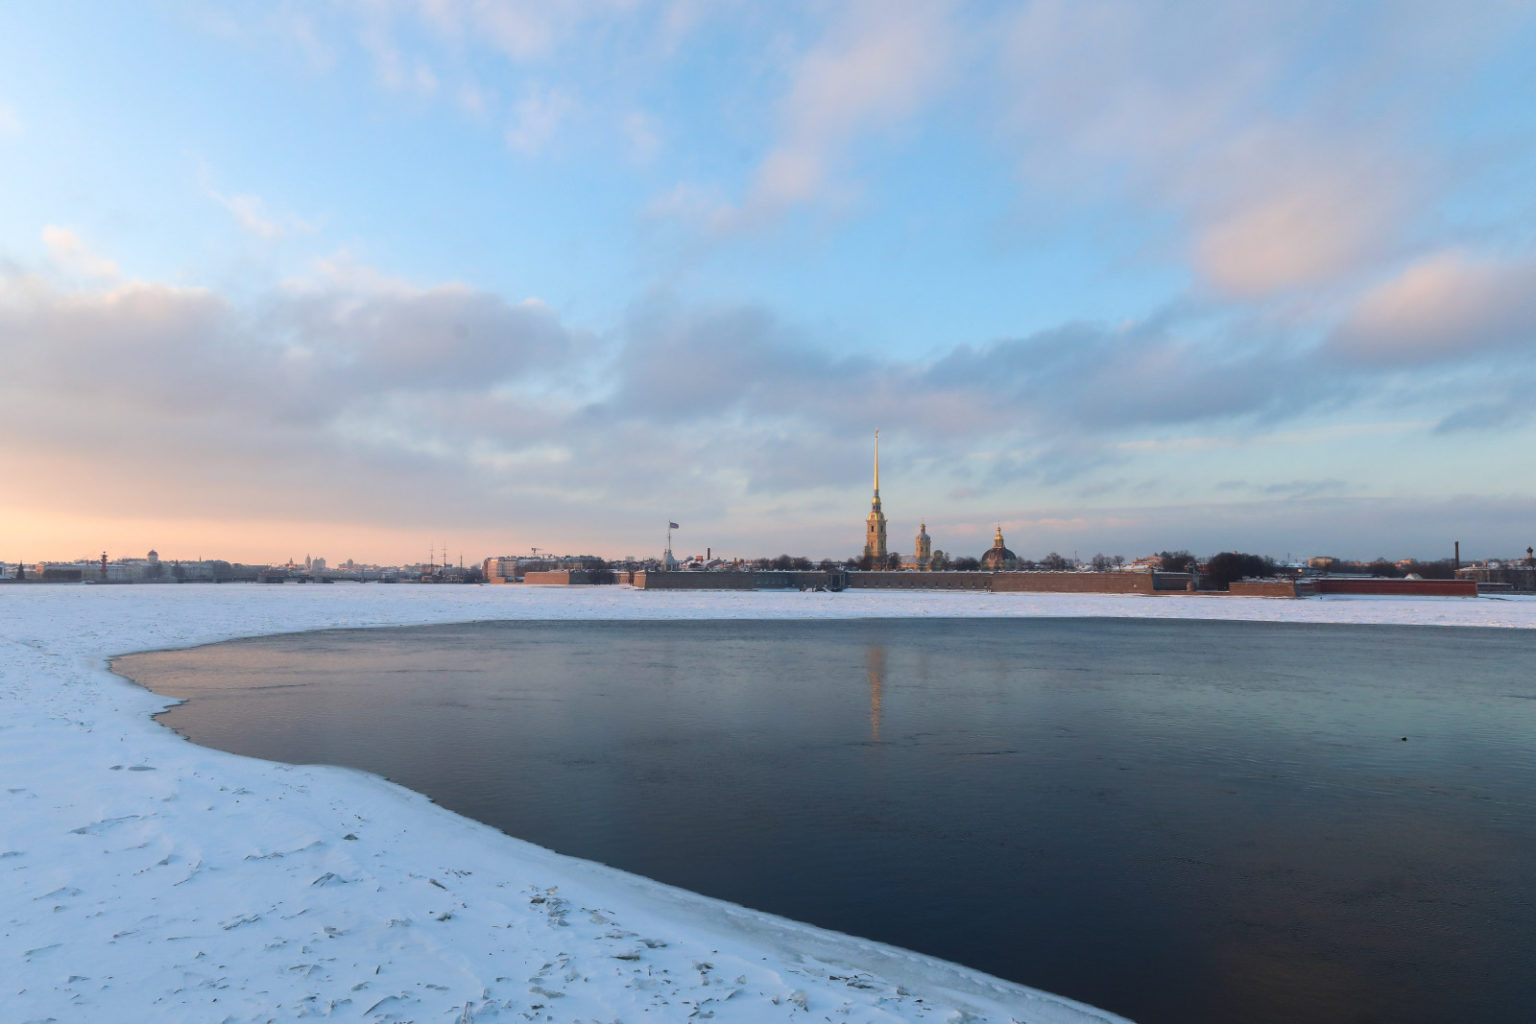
(874, 526)
(924, 550)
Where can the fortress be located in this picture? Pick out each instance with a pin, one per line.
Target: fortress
(877, 557)
(996, 573)
(995, 576)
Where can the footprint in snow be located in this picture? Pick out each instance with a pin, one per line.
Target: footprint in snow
(63, 890)
(331, 878)
(97, 827)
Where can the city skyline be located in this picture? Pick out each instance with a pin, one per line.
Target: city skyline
(351, 279)
(1460, 551)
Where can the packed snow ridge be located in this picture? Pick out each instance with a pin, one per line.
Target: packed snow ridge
(148, 879)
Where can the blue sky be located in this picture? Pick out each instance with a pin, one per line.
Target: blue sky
(363, 277)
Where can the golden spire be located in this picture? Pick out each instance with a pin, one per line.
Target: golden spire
(874, 526)
(877, 463)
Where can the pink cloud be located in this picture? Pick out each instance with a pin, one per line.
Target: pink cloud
(1290, 208)
(70, 252)
(879, 65)
(1447, 306)
(1279, 168)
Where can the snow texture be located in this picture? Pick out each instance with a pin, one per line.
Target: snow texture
(143, 878)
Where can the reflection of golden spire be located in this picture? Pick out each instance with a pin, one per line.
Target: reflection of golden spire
(874, 665)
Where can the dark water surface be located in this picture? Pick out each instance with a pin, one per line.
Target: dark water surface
(1177, 821)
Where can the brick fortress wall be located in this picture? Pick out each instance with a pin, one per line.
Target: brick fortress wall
(998, 582)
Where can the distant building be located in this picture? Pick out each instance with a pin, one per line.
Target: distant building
(998, 556)
(874, 526)
(1509, 574)
(924, 548)
(500, 569)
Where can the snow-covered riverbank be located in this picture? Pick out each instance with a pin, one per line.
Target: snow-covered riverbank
(149, 879)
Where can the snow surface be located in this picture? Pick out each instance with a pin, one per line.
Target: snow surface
(145, 878)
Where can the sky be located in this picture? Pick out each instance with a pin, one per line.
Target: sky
(373, 279)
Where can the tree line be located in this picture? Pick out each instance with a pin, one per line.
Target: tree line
(1216, 573)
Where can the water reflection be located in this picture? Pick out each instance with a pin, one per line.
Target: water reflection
(874, 670)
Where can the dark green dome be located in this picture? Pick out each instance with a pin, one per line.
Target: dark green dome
(998, 555)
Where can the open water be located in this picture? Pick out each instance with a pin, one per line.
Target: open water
(1178, 821)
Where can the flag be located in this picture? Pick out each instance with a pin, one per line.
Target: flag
(673, 526)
